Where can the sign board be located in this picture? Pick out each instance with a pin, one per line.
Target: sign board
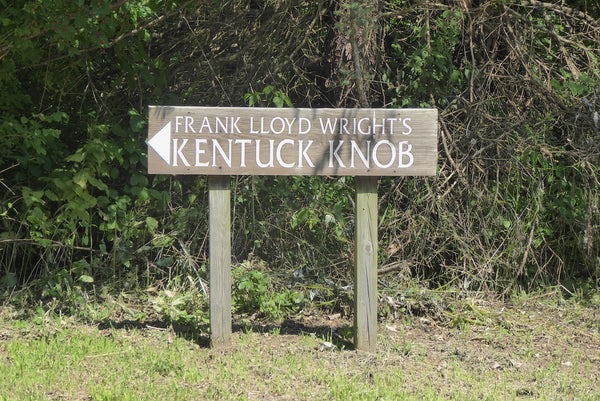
(225, 141)
(270, 141)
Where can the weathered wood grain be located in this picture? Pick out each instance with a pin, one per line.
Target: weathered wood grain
(219, 195)
(365, 264)
(268, 141)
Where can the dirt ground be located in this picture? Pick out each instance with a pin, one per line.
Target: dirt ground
(528, 350)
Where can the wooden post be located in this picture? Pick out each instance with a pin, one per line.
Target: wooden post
(365, 264)
(219, 226)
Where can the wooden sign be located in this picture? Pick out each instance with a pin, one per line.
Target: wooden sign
(269, 141)
(224, 141)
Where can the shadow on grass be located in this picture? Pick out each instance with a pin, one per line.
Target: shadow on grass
(334, 335)
(195, 333)
(199, 333)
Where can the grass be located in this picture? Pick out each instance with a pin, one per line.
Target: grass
(513, 352)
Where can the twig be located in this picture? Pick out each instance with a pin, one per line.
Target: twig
(561, 8)
(2, 181)
(358, 69)
(444, 131)
(193, 265)
(52, 243)
(401, 265)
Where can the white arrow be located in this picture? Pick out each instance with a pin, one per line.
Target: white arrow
(161, 143)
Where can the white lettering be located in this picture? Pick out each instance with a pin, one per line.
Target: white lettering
(360, 130)
(270, 162)
(177, 152)
(200, 152)
(302, 154)
(279, 159)
(356, 150)
(189, 120)
(328, 126)
(407, 152)
(307, 122)
(252, 130)
(391, 121)
(334, 153)
(226, 157)
(343, 124)
(243, 143)
(262, 126)
(404, 122)
(376, 158)
(375, 125)
(220, 123)
(273, 130)
(178, 122)
(205, 123)
(289, 124)
(234, 125)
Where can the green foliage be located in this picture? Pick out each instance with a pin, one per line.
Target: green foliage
(254, 293)
(182, 308)
(269, 96)
(77, 185)
(313, 214)
(513, 203)
(421, 66)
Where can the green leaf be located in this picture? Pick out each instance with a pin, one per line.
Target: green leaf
(9, 279)
(51, 195)
(329, 219)
(77, 157)
(97, 183)
(138, 180)
(151, 224)
(86, 279)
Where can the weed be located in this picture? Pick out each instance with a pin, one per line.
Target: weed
(254, 293)
(177, 307)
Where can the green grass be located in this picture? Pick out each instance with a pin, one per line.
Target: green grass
(542, 355)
